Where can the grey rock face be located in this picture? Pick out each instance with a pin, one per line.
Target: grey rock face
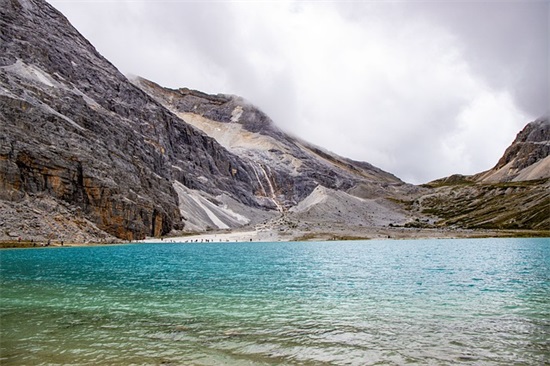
(74, 128)
(531, 145)
(527, 158)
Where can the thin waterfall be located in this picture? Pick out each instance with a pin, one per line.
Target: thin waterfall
(270, 191)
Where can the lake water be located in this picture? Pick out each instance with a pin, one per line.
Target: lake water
(424, 302)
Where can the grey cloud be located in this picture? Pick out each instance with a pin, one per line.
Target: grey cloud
(506, 43)
(393, 111)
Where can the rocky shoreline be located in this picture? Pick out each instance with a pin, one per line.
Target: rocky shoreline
(255, 236)
(345, 234)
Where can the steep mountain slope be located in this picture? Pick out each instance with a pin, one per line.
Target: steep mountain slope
(287, 169)
(515, 194)
(73, 128)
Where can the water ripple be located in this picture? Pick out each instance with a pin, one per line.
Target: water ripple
(443, 302)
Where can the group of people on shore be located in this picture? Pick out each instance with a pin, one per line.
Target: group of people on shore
(39, 243)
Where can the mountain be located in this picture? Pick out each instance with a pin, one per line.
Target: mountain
(528, 157)
(88, 155)
(311, 188)
(515, 194)
(287, 168)
(85, 154)
(79, 139)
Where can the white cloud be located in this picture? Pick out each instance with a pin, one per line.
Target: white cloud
(371, 81)
(477, 142)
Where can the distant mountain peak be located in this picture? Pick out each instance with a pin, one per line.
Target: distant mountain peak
(216, 107)
(527, 158)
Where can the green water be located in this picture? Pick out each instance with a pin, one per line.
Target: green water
(434, 302)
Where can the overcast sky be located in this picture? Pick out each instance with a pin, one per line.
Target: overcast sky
(420, 89)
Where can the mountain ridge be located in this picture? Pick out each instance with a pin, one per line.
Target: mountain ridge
(527, 158)
(88, 155)
(226, 114)
(514, 194)
(98, 141)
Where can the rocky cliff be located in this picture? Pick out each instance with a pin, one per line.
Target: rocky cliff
(528, 157)
(74, 129)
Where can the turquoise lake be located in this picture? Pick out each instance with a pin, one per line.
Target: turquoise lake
(421, 302)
